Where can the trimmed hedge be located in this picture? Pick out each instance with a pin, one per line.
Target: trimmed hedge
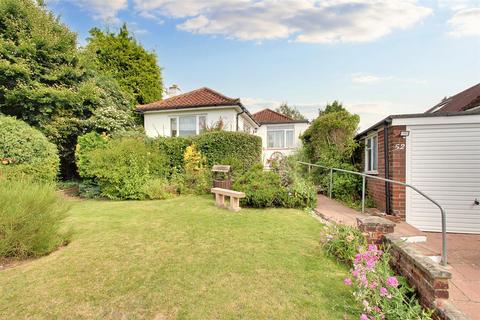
(25, 152)
(174, 148)
(240, 150)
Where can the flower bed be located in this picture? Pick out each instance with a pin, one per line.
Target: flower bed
(379, 292)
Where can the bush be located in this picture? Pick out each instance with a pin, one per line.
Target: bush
(174, 148)
(241, 150)
(381, 294)
(30, 218)
(26, 152)
(197, 177)
(342, 241)
(123, 166)
(159, 189)
(272, 189)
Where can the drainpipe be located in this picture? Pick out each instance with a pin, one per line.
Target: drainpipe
(239, 113)
(386, 144)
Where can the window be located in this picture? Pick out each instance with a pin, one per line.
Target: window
(371, 153)
(173, 127)
(280, 137)
(202, 123)
(184, 126)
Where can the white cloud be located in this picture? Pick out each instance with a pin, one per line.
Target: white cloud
(102, 10)
(465, 22)
(308, 21)
(363, 78)
(370, 112)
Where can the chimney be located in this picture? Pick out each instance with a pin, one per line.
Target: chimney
(172, 91)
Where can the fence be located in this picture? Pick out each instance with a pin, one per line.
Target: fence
(365, 176)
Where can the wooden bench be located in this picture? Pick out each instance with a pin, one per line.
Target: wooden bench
(234, 196)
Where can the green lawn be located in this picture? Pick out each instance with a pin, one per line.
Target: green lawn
(180, 259)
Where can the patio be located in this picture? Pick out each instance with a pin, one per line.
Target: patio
(462, 249)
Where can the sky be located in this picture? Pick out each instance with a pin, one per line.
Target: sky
(378, 57)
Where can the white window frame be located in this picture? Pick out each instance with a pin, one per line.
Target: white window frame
(197, 122)
(371, 153)
(284, 138)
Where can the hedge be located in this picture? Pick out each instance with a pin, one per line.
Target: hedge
(26, 152)
(240, 150)
(174, 148)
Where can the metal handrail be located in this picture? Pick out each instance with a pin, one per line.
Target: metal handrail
(364, 176)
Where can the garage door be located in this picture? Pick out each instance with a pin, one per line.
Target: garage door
(444, 162)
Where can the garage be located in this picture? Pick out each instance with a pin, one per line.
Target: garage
(443, 161)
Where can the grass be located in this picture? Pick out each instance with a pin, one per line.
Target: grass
(180, 259)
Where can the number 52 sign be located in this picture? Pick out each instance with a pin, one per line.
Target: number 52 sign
(399, 146)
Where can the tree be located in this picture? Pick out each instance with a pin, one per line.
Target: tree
(291, 112)
(45, 80)
(332, 107)
(123, 58)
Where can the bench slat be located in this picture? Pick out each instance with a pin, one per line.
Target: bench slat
(227, 192)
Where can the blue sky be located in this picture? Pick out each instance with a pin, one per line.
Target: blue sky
(378, 57)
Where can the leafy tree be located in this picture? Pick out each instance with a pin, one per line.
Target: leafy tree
(45, 80)
(332, 107)
(123, 58)
(291, 112)
(330, 141)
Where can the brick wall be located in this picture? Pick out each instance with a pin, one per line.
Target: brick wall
(396, 154)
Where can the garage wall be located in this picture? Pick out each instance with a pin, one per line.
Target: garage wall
(443, 160)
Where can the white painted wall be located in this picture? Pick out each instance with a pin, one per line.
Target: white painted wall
(157, 123)
(299, 128)
(443, 161)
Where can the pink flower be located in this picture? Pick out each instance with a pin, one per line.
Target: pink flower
(372, 247)
(347, 281)
(355, 273)
(383, 291)
(392, 282)
(373, 285)
(363, 317)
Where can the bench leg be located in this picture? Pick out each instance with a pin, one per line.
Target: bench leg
(234, 204)
(219, 200)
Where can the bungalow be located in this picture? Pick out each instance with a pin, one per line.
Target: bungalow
(193, 112)
(439, 153)
(280, 134)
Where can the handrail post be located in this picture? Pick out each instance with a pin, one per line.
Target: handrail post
(309, 168)
(331, 183)
(363, 194)
(444, 238)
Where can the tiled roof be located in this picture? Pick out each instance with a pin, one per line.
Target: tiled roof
(270, 116)
(462, 101)
(202, 97)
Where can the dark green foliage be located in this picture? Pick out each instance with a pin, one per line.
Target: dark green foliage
(271, 189)
(291, 112)
(174, 148)
(47, 82)
(123, 58)
(87, 143)
(123, 166)
(242, 150)
(30, 219)
(330, 141)
(25, 152)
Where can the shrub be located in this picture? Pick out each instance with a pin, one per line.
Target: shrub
(26, 152)
(220, 147)
(197, 177)
(30, 218)
(87, 143)
(174, 149)
(123, 166)
(159, 189)
(272, 189)
(381, 294)
(342, 241)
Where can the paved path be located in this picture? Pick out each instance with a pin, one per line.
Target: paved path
(463, 254)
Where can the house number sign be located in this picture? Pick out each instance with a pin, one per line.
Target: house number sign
(399, 146)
